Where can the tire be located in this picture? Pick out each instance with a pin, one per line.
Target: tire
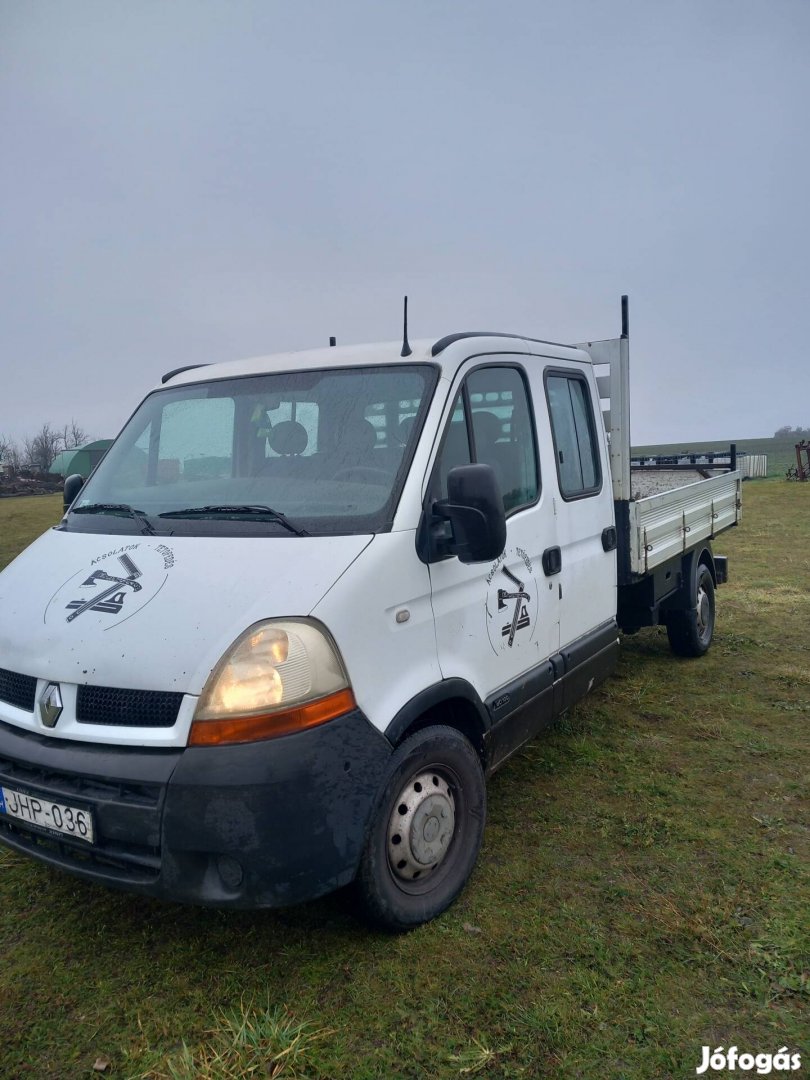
(426, 831)
(690, 632)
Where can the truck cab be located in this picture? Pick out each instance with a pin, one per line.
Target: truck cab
(301, 610)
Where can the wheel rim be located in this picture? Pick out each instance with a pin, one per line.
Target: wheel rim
(704, 612)
(421, 826)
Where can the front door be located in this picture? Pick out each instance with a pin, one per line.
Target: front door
(497, 624)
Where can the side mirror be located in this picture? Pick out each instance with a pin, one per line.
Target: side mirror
(73, 485)
(474, 508)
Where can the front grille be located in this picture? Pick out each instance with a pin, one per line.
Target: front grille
(136, 863)
(127, 815)
(127, 708)
(69, 786)
(19, 690)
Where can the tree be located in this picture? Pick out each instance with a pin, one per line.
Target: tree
(39, 450)
(72, 436)
(798, 432)
(10, 453)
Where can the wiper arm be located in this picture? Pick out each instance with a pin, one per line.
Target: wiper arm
(233, 511)
(121, 508)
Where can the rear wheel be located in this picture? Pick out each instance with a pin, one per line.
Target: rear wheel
(690, 632)
(427, 830)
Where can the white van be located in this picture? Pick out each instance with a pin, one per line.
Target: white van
(307, 602)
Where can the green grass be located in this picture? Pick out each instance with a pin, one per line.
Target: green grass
(642, 891)
(781, 452)
(23, 519)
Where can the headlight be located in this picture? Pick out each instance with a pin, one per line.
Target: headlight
(280, 676)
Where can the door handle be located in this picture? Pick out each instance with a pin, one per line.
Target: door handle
(552, 561)
(609, 538)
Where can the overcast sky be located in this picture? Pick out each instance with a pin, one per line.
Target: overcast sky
(185, 182)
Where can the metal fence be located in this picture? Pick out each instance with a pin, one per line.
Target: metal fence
(750, 465)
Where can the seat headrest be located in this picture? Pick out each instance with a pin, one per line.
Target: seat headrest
(487, 426)
(404, 429)
(288, 438)
(360, 436)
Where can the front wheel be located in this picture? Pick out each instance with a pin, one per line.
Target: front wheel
(427, 830)
(690, 632)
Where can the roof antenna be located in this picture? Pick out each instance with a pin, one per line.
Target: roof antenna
(332, 342)
(406, 349)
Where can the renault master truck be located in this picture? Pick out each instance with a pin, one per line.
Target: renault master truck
(308, 602)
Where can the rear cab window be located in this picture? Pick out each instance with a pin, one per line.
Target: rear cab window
(576, 450)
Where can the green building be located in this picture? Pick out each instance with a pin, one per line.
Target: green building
(83, 459)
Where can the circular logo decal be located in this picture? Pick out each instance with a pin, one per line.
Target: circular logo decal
(512, 604)
(115, 585)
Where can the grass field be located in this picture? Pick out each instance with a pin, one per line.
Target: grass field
(642, 892)
(781, 452)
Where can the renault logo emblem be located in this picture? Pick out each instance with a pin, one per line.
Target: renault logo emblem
(50, 704)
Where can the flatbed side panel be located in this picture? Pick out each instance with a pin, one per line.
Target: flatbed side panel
(666, 525)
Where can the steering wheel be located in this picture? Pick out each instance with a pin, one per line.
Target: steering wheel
(372, 472)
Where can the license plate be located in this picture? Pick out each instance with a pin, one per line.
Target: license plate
(57, 817)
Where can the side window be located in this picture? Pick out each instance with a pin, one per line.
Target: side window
(503, 435)
(574, 435)
(135, 459)
(456, 448)
(497, 415)
(196, 440)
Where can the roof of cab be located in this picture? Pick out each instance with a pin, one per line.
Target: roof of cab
(448, 352)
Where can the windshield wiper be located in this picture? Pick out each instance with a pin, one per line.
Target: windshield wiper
(120, 508)
(234, 511)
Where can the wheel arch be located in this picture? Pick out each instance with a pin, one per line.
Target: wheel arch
(453, 703)
(700, 556)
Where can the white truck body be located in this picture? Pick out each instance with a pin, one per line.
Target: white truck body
(300, 588)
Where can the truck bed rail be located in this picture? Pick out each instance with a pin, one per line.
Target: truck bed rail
(666, 525)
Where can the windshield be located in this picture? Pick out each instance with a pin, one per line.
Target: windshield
(295, 453)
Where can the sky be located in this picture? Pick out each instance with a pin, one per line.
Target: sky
(191, 182)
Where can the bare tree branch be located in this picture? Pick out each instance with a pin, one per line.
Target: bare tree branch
(10, 455)
(73, 436)
(39, 450)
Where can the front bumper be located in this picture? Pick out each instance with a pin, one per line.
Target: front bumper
(259, 825)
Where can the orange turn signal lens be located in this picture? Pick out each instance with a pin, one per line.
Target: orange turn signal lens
(244, 729)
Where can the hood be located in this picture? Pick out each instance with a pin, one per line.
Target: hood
(154, 613)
